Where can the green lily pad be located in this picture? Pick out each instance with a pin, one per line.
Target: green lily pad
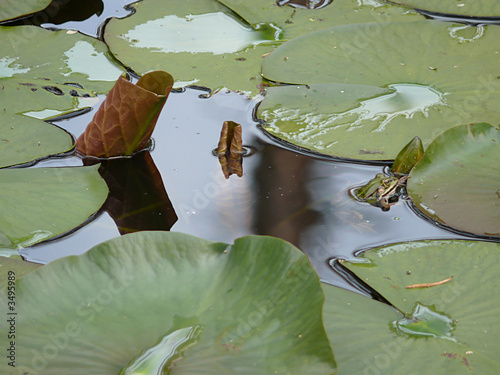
(428, 97)
(457, 181)
(43, 99)
(299, 21)
(448, 329)
(46, 202)
(10, 9)
(203, 42)
(30, 52)
(469, 8)
(152, 300)
(12, 268)
(23, 140)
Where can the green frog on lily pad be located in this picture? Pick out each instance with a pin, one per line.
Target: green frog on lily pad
(384, 190)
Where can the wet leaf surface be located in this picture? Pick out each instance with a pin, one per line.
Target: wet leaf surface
(428, 97)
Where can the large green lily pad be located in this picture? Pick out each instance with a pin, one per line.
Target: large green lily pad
(10, 9)
(457, 332)
(419, 60)
(23, 139)
(202, 307)
(469, 8)
(42, 203)
(457, 181)
(299, 21)
(203, 42)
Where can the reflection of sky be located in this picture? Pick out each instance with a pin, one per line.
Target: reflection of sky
(303, 200)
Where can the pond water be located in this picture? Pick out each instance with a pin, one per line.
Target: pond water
(284, 192)
(301, 198)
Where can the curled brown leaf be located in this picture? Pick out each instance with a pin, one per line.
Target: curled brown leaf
(125, 121)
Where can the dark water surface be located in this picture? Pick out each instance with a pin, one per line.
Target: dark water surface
(302, 199)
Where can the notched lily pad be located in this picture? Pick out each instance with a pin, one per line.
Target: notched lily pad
(446, 328)
(46, 202)
(24, 140)
(457, 180)
(253, 307)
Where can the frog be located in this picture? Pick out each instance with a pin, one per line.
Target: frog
(381, 191)
(384, 190)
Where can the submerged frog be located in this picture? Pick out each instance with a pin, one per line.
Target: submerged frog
(382, 191)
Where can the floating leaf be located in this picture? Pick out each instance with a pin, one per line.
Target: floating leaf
(230, 149)
(10, 9)
(453, 330)
(408, 157)
(426, 99)
(202, 42)
(125, 121)
(457, 180)
(46, 202)
(470, 8)
(253, 307)
(23, 140)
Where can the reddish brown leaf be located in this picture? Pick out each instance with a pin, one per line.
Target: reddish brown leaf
(125, 121)
(230, 149)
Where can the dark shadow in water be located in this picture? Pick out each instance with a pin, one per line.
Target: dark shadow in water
(137, 199)
(281, 195)
(86, 16)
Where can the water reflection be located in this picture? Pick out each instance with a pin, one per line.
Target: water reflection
(137, 199)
